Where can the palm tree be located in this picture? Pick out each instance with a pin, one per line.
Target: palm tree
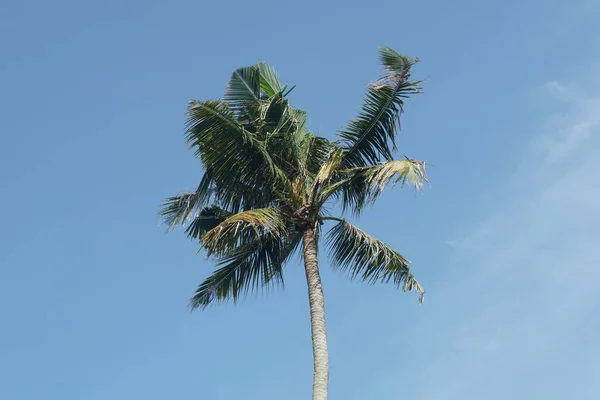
(268, 181)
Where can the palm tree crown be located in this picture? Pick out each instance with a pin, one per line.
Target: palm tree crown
(267, 181)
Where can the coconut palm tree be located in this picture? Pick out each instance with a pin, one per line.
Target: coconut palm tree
(268, 182)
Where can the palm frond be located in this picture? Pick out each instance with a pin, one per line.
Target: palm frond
(243, 88)
(327, 170)
(332, 164)
(251, 85)
(359, 187)
(273, 114)
(269, 81)
(407, 171)
(369, 259)
(207, 219)
(315, 151)
(299, 117)
(241, 226)
(178, 210)
(237, 160)
(211, 126)
(251, 92)
(370, 138)
(352, 190)
(255, 263)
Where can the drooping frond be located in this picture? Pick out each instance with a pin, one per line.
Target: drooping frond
(255, 263)
(370, 138)
(241, 226)
(369, 259)
(359, 187)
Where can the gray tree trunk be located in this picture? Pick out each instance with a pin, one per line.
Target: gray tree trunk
(317, 316)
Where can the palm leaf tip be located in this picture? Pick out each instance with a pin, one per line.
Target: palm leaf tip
(407, 171)
(397, 70)
(370, 137)
(369, 259)
(393, 61)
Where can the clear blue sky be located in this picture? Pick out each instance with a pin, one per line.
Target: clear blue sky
(93, 294)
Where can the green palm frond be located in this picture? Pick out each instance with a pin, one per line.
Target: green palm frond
(370, 138)
(369, 259)
(255, 263)
(243, 89)
(241, 226)
(314, 152)
(299, 118)
(284, 129)
(240, 166)
(253, 91)
(251, 85)
(269, 81)
(211, 128)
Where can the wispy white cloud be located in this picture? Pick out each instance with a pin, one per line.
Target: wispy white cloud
(532, 326)
(566, 134)
(538, 260)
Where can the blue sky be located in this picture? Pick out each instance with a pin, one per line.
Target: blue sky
(93, 294)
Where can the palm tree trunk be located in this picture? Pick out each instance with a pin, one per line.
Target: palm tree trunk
(317, 316)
